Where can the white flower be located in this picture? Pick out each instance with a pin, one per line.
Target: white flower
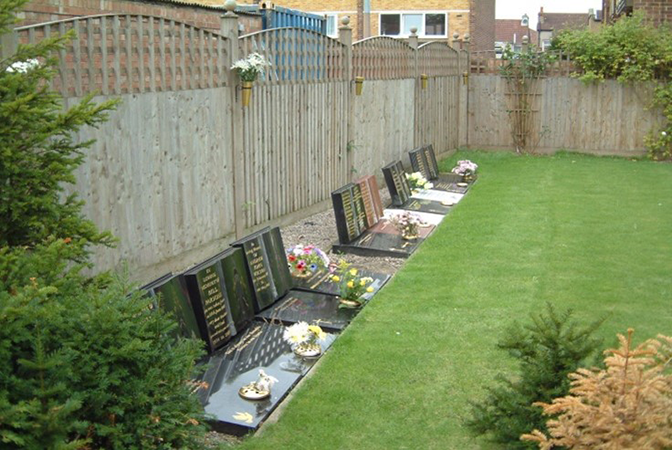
(23, 66)
(429, 185)
(297, 333)
(663, 133)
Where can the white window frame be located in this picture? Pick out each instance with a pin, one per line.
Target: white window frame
(329, 15)
(421, 31)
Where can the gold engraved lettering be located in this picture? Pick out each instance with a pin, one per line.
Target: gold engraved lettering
(349, 215)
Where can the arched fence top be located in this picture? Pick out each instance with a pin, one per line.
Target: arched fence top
(296, 55)
(438, 59)
(132, 53)
(383, 58)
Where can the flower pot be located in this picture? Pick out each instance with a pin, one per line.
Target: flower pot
(308, 350)
(423, 79)
(301, 274)
(359, 84)
(350, 303)
(247, 92)
(409, 236)
(252, 392)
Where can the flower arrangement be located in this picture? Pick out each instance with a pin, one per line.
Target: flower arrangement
(250, 67)
(465, 168)
(352, 286)
(407, 224)
(305, 338)
(418, 182)
(306, 260)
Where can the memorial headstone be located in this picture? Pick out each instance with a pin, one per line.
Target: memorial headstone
(402, 198)
(172, 296)
(423, 160)
(238, 290)
(207, 291)
(259, 269)
(346, 221)
(275, 250)
(371, 198)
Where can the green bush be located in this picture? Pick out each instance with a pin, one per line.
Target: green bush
(629, 51)
(548, 349)
(84, 364)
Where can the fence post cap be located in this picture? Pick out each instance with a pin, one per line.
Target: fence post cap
(414, 30)
(345, 21)
(526, 39)
(456, 35)
(467, 37)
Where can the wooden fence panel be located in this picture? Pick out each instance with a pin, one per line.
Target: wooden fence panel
(438, 59)
(384, 121)
(383, 58)
(118, 54)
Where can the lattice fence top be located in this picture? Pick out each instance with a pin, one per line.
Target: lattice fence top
(297, 55)
(486, 63)
(115, 54)
(437, 59)
(383, 58)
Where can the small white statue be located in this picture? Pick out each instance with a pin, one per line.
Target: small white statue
(265, 382)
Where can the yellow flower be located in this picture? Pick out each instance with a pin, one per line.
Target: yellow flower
(335, 278)
(351, 284)
(362, 282)
(315, 329)
(353, 272)
(369, 289)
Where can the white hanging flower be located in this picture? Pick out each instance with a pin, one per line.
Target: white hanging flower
(23, 66)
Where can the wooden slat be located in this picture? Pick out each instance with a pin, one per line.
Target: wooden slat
(152, 54)
(141, 52)
(104, 66)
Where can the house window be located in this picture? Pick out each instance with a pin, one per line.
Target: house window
(332, 24)
(400, 24)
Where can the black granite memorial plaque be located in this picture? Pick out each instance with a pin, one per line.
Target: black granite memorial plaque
(172, 296)
(311, 307)
(277, 256)
(372, 216)
(359, 208)
(380, 244)
(258, 265)
(260, 347)
(238, 290)
(419, 162)
(397, 183)
(205, 284)
(344, 211)
(320, 282)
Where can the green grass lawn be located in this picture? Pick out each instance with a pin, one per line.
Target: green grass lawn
(593, 234)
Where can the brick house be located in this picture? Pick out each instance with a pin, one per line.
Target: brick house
(511, 31)
(201, 13)
(550, 24)
(657, 11)
(434, 19)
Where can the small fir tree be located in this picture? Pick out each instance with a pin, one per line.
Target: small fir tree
(626, 406)
(84, 363)
(548, 349)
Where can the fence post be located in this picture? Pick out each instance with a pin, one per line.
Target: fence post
(229, 29)
(345, 36)
(413, 42)
(9, 44)
(456, 41)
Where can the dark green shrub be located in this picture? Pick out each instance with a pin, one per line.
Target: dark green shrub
(83, 364)
(547, 349)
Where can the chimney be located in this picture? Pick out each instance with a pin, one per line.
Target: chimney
(541, 16)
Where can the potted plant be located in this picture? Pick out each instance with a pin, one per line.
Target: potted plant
(351, 285)
(248, 69)
(305, 339)
(417, 182)
(305, 261)
(407, 224)
(467, 169)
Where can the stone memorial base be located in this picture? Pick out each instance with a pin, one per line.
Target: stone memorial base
(238, 364)
(319, 282)
(450, 182)
(380, 244)
(423, 205)
(311, 307)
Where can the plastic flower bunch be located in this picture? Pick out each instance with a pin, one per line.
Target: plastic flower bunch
(302, 333)
(309, 258)
(418, 182)
(352, 286)
(250, 67)
(465, 167)
(406, 223)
